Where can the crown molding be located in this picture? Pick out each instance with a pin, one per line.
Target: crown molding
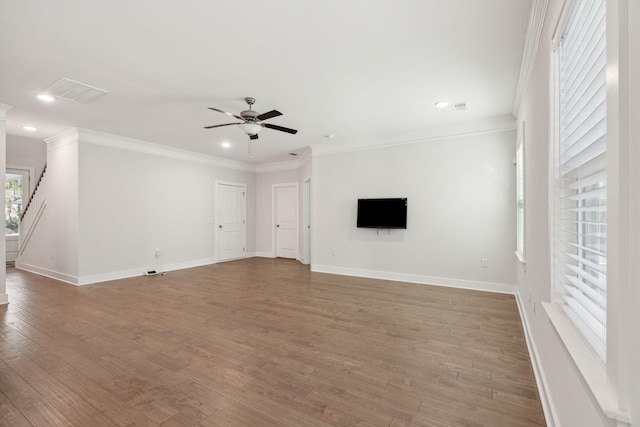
(277, 166)
(483, 127)
(285, 165)
(3, 110)
(136, 145)
(63, 138)
(305, 156)
(534, 32)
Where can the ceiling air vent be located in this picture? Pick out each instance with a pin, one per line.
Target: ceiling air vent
(75, 91)
(459, 107)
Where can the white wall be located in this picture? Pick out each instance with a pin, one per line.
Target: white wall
(570, 403)
(633, 307)
(27, 152)
(264, 207)
(114, 200)
(460, 209)
(53, 247)
(268, 175)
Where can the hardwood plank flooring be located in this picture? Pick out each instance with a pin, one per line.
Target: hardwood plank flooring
(261, 342)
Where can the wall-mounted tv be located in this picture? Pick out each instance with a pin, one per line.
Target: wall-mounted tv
(382, 213)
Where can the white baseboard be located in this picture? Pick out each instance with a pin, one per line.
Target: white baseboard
(265, 255)
(105, 277)
(501, 288)
(299, 258)
(4, 299)
(384, 275)
(63, 277)
(548, 407)
(113, 275)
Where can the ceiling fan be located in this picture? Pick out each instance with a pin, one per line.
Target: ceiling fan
(252, 121)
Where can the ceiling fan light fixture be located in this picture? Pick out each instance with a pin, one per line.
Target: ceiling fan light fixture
(250, 128)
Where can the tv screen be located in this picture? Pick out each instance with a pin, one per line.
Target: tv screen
(382, 213)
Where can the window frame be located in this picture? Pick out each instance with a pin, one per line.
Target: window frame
(27, 173)
(580, 166)
(520, 195)
(608, 382)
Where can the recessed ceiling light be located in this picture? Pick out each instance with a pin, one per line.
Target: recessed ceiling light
(45, 97)
(225, 145)
(29, 128)
(442, 104)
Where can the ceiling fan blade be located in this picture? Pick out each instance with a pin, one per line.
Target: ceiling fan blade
(269, 114)
(253, 136)
(280, 128)
(217, 126)
(224, 112)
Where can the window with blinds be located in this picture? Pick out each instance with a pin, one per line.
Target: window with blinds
(581, 240)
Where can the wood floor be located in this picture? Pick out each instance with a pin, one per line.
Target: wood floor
(261, 342)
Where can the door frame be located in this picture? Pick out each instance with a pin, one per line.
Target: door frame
(274, 188)
(216, 216)
(306, 221)
(29, 172)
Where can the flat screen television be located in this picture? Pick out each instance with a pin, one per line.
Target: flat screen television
(382, 213)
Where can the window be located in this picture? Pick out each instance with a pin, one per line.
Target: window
(520, 195)
(581, 203)
(13, 202)
(589, 211)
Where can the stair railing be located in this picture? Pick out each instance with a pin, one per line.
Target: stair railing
(24, 212)
(32, 212)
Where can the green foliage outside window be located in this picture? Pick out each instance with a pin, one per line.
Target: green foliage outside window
(13, 204)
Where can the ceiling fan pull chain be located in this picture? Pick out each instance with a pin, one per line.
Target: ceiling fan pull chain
(249, 151)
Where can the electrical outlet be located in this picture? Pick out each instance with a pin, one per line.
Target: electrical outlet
(157, 253)
(484, 262)
(334, 251)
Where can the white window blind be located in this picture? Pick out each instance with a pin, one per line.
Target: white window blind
(581, 257)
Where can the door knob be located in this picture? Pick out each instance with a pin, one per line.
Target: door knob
(278, 225)
(220, 226)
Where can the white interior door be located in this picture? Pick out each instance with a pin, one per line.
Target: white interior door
(17, 192)
(232, 224)
(286, 220)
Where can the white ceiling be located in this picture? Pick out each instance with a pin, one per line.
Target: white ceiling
(366, 71)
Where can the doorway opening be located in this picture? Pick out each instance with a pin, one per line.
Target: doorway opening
(307, 221)
(17, 192)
